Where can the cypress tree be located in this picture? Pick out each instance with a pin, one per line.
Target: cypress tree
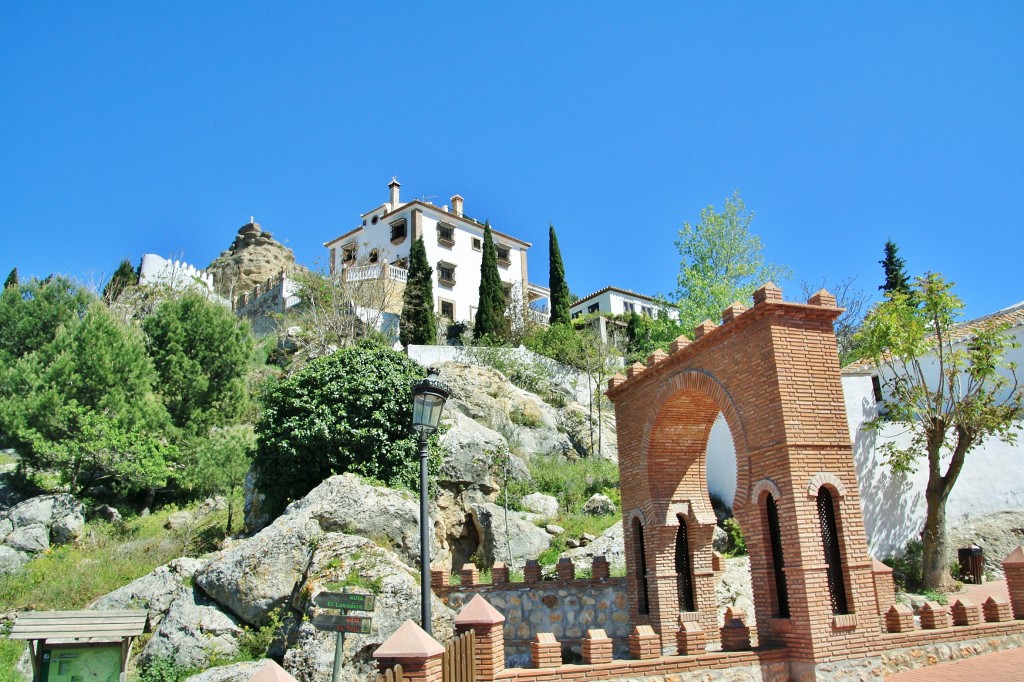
(556, 281)
(418, 324)
(490, 313)
(896, 280)
(12, 279)
(124, 277)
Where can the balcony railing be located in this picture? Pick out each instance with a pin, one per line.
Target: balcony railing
(376, 271)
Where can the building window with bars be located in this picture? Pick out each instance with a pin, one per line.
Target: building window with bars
(639, 557)
(778, 563)
(477, 244)
(684, 571)
(446, 234)
(504, 255)
(446, 273)
(448, 309)
(348, 254)
(828, 519)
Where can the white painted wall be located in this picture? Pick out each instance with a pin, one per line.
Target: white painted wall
(156, 269)
(614, 302)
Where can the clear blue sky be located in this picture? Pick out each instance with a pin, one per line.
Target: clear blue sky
(144, 127)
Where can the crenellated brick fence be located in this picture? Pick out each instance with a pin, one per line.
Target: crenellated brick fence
(943, 633)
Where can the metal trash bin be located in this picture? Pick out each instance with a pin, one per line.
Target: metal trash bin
(972, 564)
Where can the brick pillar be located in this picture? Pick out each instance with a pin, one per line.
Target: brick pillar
(417, 652)
(499, 573)
(1013, 567)
(545, 651)
(735, 633)
(565, 569)
(644, 643)
(597, 648)
(469, 575)
(997, 610)
(599, 568)
(437, 579)
(965, 612)
(885, 589)
(690, 639)
(531, 571)
(934, 616)
(486, 622)
(899, 618)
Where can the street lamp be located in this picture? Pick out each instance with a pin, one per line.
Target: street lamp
(428, 396)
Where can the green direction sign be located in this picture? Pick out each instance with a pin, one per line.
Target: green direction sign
(335, 623)
(345, 601)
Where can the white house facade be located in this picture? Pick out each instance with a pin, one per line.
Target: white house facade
(454, 247)
(615, 301)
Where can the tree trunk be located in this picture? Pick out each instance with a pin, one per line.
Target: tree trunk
(934, 559)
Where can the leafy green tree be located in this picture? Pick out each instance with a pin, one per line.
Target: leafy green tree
(201, 353)
(556, 281)
(220, 461)
(953, 390)
(490, 320)
(721, 263)
(418, 326)
(124, 277)
(84, 406)
(32, 313)
(895, 269)
(12, 279)
(350, 411)
(646, 334)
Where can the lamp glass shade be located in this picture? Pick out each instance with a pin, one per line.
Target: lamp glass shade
(426, 411)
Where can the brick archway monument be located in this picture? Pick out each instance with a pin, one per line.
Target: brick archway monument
(773, 372)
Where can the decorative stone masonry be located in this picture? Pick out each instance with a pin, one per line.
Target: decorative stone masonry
(690, 639)
(499, 573)
(599, 568)
(487, 623)
(997, 610)
(735, 633)
(469, 575)
(899, 618)
(531, 571)
(565, 569)
(885, 588)
(417, 652)
(934, 616)
(644, 643)
(966, 612)
(597, 647)
(1013, 567)
(545, 651)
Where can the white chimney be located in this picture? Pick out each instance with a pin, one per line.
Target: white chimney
(393, 186)
(457, 205)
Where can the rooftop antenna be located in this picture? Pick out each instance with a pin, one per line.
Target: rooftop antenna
(426, 197)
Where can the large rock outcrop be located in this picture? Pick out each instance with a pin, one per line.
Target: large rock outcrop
(510, 537)
(37, 523)
(253, 258)
(997, 534)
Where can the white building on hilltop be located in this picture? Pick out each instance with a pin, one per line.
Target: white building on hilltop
(615, 301)
(454, 246)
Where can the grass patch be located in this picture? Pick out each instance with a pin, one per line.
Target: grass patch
(10, 652)
(571, 482)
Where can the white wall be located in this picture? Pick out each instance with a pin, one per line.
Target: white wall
(156, 269)
(613, 302)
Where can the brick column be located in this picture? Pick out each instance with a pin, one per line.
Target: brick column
(417, 652)
(486, 622)
(599, 568)
(644, 643)
(531, 571)
(690, 640)
(899, 618)
(597, 647)
(499, 573)
(469, 575)
(997, 610)
(565, 569)
(966, 612)
(934, 616)
(735, 633)
(545, 651)
(885, 589)
(1013, 567)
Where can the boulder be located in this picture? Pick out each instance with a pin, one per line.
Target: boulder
(155, 591)
(599, 505)
(32, 525)
(590, 436)
(539, 503)
(108, 513)
(733, 587)
(31, 539)
(356, 563)
(194, 632)
(178, 520)
(552, 529)
(609, 544)
(236, 672)
(720, 540)
(522, 538)
(470, 453)
(11, 560)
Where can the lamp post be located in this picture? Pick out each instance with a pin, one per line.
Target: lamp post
(428, 397)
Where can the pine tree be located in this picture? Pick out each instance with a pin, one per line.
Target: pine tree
(490, 313)
(418, 325)
(556, 281)
(124, 277)
(896, 280)
(12, 279)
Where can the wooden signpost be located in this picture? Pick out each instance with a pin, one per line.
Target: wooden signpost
(341, 622)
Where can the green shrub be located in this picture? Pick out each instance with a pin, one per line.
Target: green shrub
(906, 567)
(164, 670)
(350, 411)
(254, 643)
(10, 652)
(737, 545)
(571, 482)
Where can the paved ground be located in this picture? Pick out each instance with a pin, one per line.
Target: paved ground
(1001, 666)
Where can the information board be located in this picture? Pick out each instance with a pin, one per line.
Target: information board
(81, 663)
